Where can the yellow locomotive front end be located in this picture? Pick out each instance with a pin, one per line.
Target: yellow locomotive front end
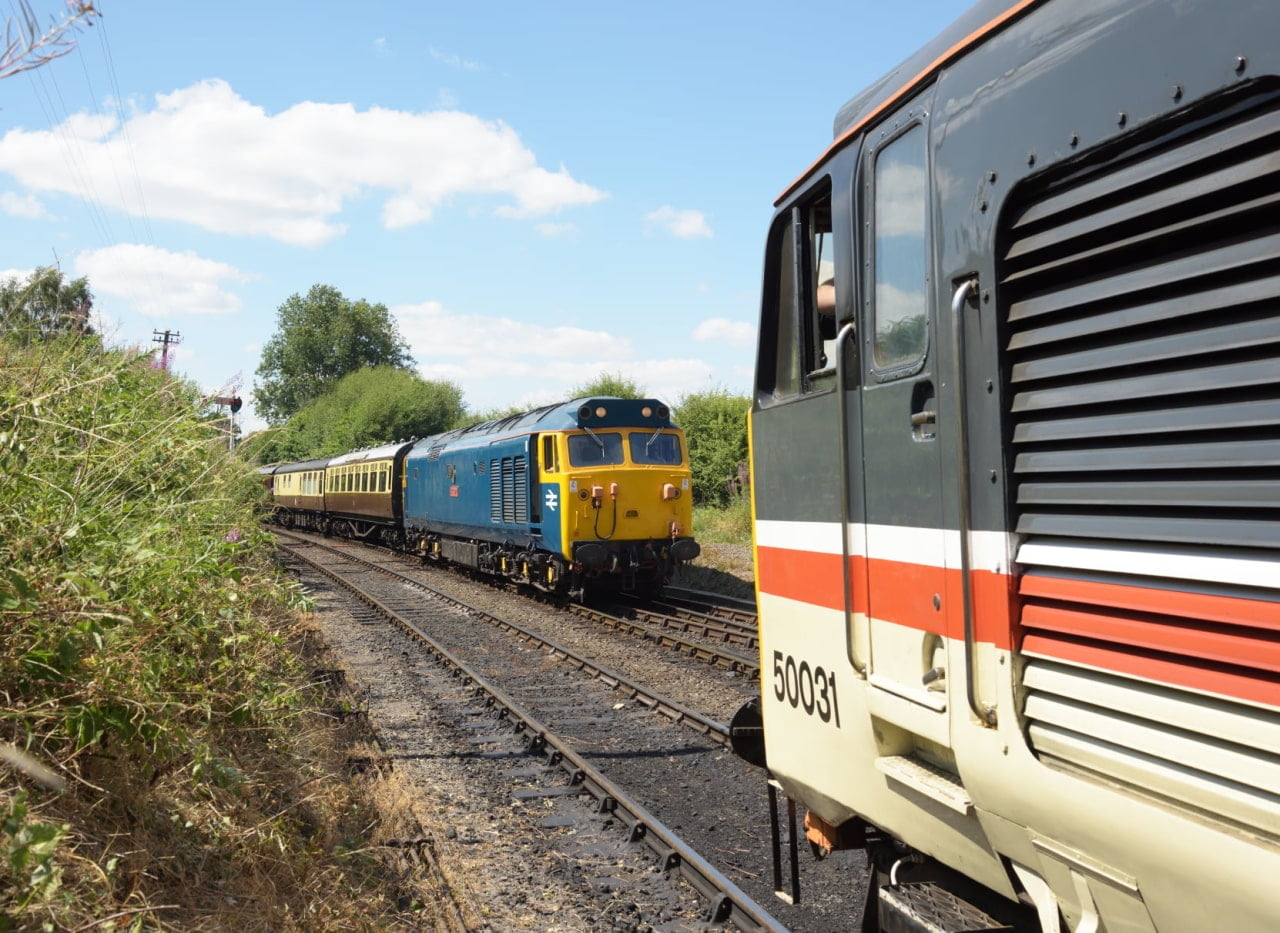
(626, 513)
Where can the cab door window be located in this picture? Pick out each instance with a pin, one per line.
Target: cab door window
(900, 219)
(798, 320)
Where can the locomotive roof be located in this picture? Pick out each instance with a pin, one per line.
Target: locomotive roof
(566, 416)
(975, 25)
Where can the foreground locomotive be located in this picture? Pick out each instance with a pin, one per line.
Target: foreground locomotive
(1017, 523)
(589, 493)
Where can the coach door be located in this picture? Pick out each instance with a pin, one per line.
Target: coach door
(904, 538)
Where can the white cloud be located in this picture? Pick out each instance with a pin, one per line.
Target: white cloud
(433, 331)
(20, 274)
(160, 283)
(25, 206)
(207, 157)
(736, 334)
(684, 224)
(497, 360)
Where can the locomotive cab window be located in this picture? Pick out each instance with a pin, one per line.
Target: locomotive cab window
(900, 266)
(801, 292)
(549, 453)
(595, 449)
(657, 448)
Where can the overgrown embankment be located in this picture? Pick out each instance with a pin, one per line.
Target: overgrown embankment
(156, 768)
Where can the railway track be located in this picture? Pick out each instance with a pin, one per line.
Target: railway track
(679, 598)
(719, 623)
(562, 770)
(717, 630)
(670, 631)
(632, 689)
(688, 780)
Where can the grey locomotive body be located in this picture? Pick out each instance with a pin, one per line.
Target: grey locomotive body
(1014, 447)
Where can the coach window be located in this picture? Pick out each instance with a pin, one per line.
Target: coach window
(900, 251)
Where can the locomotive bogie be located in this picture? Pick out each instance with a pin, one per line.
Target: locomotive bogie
(1013, 485)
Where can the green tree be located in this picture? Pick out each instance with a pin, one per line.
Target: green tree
(609, 384)
(366, 408)
(44, 306)
(318, 340)
(715, 426)
(491, 414)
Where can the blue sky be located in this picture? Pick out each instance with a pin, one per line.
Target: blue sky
(538, 192)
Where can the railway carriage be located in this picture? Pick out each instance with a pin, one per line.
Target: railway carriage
(364, 493)
(297, 494)
(1016, 516)
(589, 490)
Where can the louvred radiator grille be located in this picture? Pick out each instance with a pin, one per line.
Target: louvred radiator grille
(1141, 303)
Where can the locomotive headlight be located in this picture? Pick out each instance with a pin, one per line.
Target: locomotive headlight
(646, 412)
(669, 492)
(601, 411)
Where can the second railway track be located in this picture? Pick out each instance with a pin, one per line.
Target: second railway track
(687, 781)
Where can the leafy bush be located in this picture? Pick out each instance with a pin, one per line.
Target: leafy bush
(715, 424)
(365, 408)
(608, 385)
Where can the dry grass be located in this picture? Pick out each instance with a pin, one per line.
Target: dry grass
(164, 761)
(295, 842)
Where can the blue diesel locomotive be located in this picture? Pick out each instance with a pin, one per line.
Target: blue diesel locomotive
(592, 492)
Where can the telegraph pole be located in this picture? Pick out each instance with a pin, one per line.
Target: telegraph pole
(165, 339)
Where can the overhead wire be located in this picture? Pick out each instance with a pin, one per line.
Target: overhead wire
(48, 95)
(118, 99)
(55, 112)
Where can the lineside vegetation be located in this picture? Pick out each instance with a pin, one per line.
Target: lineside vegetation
(160, 762)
